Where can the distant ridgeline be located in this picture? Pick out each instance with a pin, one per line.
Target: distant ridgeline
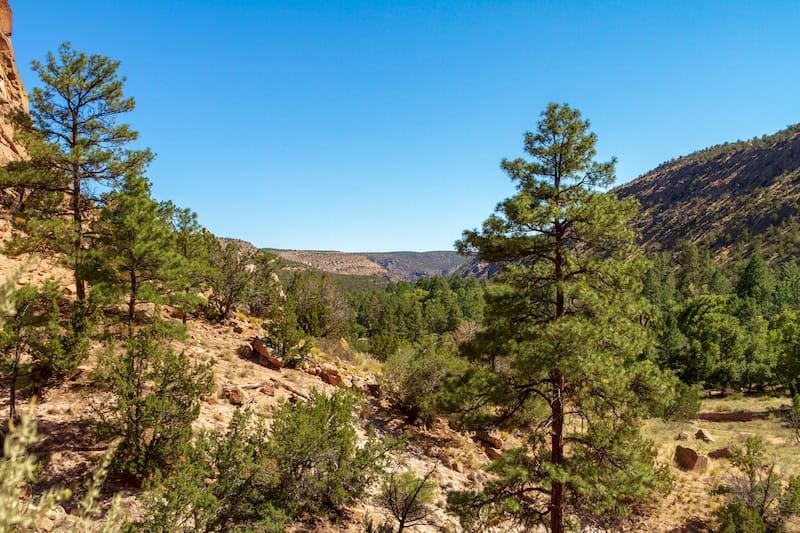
(396, 266)
(734, 198)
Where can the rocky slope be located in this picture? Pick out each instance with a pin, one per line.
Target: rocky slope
(13, 96)
(723, 196)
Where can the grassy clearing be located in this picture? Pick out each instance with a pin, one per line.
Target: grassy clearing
(691, 498)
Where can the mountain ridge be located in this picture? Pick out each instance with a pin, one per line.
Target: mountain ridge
(734, 198)
(395, 266)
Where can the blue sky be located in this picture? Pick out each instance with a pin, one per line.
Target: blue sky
(380, 126)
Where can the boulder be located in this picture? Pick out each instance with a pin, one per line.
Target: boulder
(703, 435)
(688, 459)
(331, 376)
(236, 396)
(492, 453)
(722, 453)
(269, 390)
(265, 358)
(489, 440)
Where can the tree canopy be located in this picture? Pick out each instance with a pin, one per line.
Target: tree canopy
(565, 339)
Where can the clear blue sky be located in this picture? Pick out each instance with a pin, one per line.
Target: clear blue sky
(380, 126)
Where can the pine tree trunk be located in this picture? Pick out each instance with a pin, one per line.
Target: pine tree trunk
(77, 216)
(12, 407)
(557, 453)
(132, 301)
(557, 402)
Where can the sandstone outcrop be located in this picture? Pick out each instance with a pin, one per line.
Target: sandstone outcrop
(13, 96)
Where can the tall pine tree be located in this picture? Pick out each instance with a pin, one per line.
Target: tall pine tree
(566, 338)
(79, 146)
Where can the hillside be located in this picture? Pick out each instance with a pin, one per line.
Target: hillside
(396, 266)
(723, 196)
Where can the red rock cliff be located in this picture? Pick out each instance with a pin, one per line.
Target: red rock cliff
(12, 92)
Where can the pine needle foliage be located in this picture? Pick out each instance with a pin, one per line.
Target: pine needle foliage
(564, 341)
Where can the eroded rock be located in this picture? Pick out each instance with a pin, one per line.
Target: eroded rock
(688, 459)
(236, 396)
(703, 435)
(722, 453)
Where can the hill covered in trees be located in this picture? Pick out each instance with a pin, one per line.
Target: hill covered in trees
(734, 198)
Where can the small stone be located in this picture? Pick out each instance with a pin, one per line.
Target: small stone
(265, 357)
(238, 329)
(269, 390)
(395, 425)
(681, 436)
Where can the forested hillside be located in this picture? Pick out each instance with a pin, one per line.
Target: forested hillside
(733, 198)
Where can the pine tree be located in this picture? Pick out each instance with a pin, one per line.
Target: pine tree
(135, 250)
(192, 246)
(80, 146)
(565, 337)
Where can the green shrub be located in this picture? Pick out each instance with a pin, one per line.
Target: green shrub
(413, 375)
(156, 396)
(59, 351)
(737, 518)
(252, 479)
(317, 458)
(220, 484)
(408, 497)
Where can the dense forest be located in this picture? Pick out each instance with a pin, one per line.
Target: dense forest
(580, 337)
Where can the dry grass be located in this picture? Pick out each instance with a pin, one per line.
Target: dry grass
(691, 499)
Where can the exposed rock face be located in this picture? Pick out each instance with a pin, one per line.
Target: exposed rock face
(5, 18)
(13, 95)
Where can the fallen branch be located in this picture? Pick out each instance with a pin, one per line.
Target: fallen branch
(245, 386)
(295, 391)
